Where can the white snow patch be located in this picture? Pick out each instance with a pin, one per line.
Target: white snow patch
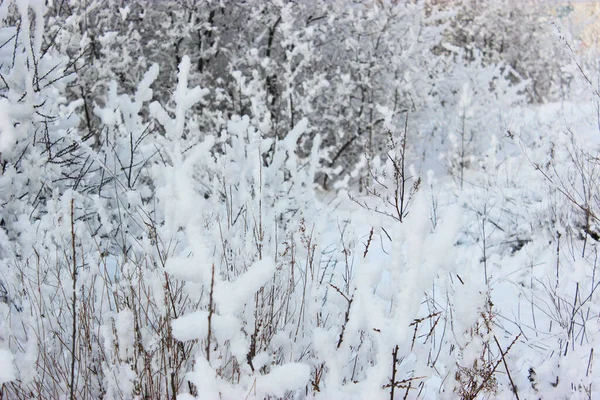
(291, 376)
(195, 326)
(231, 296)
(7, 367)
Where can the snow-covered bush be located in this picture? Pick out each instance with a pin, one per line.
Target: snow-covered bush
(350, 66)
(166, 232)
(518, 34)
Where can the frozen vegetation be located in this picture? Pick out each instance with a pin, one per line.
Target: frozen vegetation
(297, 200)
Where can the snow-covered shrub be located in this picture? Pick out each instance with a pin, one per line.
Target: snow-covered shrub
(163, 235)
(233, 212)
(518, 34)
(349, 66)
(470, 124)
(44, 238)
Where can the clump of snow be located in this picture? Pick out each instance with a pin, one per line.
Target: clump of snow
(283, 378)
(8, 136)
(7, 368)
(232, 295)
(125, 332)
(195, 326)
